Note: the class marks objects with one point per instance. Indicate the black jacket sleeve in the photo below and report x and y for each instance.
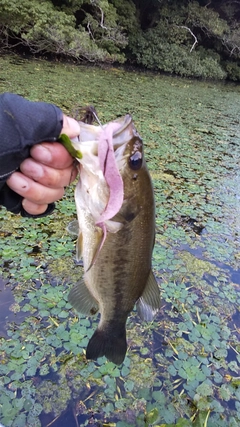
(22, 124)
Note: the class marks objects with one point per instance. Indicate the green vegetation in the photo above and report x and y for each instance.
(182, 369)
(189, 38)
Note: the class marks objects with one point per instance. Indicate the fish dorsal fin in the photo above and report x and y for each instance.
(82, 300)
(149, 303)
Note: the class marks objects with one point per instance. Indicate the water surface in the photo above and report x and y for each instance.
(183, 368)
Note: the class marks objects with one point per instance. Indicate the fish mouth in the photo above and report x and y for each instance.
(91, 133)
(125, 132)
(87, 142)
(127, 120)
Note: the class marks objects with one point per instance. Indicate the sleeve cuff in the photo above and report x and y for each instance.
(48, 211)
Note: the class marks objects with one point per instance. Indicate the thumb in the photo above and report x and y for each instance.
(70, 127)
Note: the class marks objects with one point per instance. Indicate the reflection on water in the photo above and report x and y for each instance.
(6, 314)
(66, 419)
(235, 277)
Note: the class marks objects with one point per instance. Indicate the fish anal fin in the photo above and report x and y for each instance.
(149, 303)
(82, 300)
(112, 345)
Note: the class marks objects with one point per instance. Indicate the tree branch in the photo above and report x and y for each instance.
(90, 31)
(102, 14)
(190, 31)
(102, 18)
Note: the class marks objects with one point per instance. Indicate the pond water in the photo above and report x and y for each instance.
(183, 368)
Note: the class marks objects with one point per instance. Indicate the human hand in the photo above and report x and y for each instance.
(43, 176)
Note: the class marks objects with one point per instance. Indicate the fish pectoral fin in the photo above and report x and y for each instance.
(82, 300)
(149, 303)
(73, 227)
(79, 247)
(113, 226)
(99, 241)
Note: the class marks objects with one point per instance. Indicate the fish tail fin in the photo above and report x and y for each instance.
(108, 342)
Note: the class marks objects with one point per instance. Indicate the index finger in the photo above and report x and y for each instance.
(52, 154)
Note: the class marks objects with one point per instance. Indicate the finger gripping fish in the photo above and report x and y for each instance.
(116, 216)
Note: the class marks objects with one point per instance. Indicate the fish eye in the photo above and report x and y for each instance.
(135, 161)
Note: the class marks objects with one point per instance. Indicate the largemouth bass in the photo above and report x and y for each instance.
(116, 216)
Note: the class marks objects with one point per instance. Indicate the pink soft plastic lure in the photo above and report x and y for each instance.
(112, 176)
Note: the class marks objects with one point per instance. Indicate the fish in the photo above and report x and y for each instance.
(116, 216)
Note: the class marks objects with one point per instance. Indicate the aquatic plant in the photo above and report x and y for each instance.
(183, 368)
